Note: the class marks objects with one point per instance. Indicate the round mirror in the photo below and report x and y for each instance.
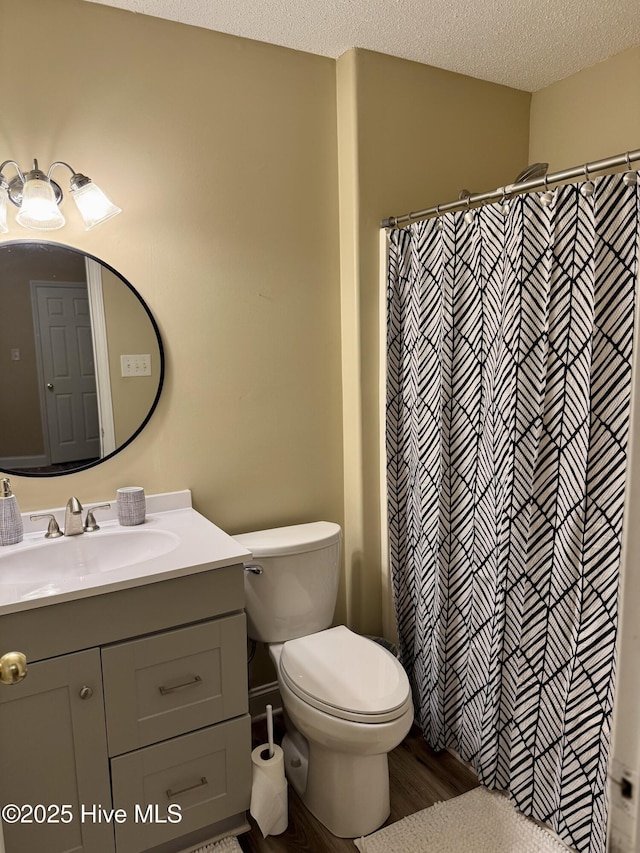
(81, 360)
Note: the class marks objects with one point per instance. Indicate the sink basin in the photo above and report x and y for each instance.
(174, 541)
(58, 560)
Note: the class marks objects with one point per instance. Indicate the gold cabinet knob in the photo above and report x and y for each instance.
(13, 667)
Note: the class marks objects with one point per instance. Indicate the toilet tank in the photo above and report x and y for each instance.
(291, 584)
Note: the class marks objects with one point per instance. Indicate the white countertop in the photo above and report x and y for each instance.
(197, 546)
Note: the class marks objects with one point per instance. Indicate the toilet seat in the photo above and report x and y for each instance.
(346, 676)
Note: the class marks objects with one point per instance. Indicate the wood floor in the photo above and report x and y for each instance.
(419, 777)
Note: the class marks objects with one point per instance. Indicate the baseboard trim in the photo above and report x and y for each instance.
(20, 462)
(260, 697)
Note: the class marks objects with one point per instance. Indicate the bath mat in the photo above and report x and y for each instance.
(480, 821)
(225, 845)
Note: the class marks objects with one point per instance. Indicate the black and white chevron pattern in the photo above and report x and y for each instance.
(509, 368)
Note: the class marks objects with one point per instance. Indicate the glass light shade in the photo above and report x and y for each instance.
(93, 205)
(4, 198)
(39, 209)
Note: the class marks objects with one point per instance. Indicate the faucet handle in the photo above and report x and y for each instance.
(53, 530)
(90, 525)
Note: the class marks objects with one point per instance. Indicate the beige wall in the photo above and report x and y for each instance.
(222, 154)
(589, 116)
(410, 136)
(129, 332)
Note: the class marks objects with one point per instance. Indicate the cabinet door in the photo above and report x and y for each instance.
(54, 752)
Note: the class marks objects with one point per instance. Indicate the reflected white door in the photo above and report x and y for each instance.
(66, 369)
(101, 357)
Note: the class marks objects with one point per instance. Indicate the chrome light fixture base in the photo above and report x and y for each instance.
(16, 185)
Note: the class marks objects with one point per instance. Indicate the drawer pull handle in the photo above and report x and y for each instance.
(171, 794)
(192, 683)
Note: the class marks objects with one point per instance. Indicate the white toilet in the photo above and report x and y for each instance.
(346, 699)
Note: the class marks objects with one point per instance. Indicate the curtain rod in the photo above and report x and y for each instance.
(513, 189)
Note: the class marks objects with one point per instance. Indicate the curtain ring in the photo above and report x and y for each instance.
(468, 217)
(630, 178)
(439, 223)
(547, 196)
(586, 190)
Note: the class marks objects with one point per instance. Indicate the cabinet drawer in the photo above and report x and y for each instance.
(165, 685)
(207, 773)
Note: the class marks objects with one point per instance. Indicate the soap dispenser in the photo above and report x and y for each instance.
(11, 529)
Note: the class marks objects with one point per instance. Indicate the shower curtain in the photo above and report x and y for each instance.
(509, 343)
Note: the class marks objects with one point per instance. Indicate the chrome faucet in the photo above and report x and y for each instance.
(73, 518)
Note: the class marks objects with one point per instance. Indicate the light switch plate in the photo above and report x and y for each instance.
(135, 365)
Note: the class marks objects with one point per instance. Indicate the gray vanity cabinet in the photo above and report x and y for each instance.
(54, 752)
(134, 700)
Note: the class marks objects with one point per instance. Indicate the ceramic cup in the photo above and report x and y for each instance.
(132, 506)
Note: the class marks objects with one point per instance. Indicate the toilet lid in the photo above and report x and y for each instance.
(346, 675)
(296, 539)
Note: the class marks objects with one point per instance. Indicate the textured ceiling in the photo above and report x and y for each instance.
(526, 44)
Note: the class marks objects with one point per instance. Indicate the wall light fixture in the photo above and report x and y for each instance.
(38, 197)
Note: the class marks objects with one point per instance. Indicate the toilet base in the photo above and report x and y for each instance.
(348, 793)
(296, 759)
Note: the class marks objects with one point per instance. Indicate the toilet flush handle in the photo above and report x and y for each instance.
(254, 568)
